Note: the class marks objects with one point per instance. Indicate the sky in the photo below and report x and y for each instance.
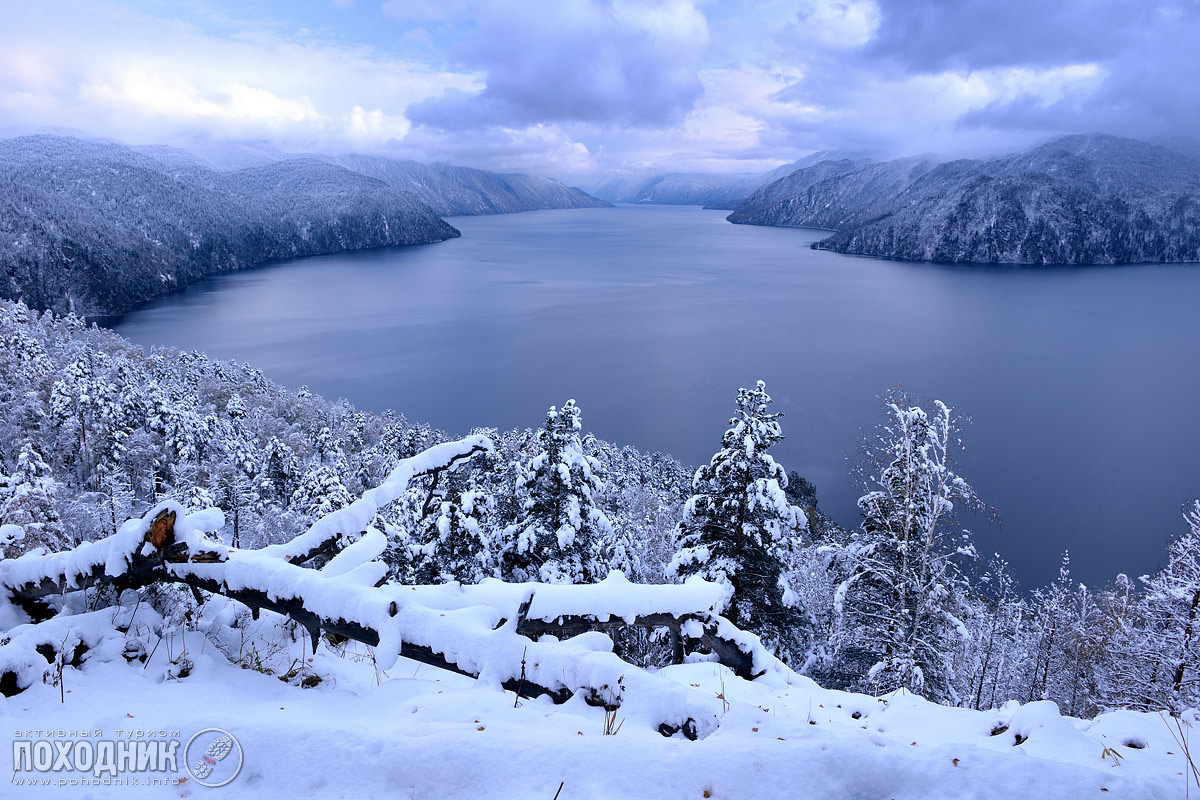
(581, 89)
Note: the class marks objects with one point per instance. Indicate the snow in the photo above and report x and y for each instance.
(614, 597)
(95, 630)
(380, 725)
(417, 732)
(10, 534)
(357, 556)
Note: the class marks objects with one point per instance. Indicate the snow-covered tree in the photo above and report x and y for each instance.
(280, 472)
(448, 544)
(1173, 605)
(1130, 674)
(992, 659)
(900, 611)
(560, 532)
(739, 529)
(320, 492)
(1050, 618)
(27, 500)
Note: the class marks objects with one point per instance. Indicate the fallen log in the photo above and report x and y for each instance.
(700, 629)
(690, 612)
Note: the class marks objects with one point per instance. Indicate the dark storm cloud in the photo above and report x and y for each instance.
(1148, 54)
(577, 61)
(936, 35)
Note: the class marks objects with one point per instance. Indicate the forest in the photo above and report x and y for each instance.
(95, 227)
(95, 431)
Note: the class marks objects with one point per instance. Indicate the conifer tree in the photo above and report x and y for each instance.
(739, 529)
(319, 492)
(561, 530)
(448, 544)
(27, 500)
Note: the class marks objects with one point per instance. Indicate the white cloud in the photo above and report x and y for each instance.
(142, 79)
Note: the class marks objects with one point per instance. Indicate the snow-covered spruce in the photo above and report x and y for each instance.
(740, 530)
(559, 536)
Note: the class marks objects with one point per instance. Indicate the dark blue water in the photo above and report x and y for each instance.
(1084, 383)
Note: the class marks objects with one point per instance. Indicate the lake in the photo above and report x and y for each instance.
(1083, 383)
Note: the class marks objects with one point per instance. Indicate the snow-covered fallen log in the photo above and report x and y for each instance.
(690, 610)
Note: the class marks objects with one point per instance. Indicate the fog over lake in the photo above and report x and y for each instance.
(1082, 382)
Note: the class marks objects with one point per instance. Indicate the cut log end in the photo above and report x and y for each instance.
(162, 530)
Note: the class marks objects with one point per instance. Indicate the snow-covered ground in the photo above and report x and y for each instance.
(419, 732)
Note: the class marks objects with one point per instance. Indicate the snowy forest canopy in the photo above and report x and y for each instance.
(94, 430)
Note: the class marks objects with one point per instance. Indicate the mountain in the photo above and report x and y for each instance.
(223, 155)
(462, 191)
(1091, 199)
(96, 227)
(830, 194)
(679, 189)
(711, 190)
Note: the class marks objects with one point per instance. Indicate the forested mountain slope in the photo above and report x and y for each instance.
(831, 194)
(462, 191)
(449, 190)
(96, 227)
(1077, 200)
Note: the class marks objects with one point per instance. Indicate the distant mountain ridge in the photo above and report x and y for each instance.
(679, 189)
(463, 191)
(447, 189)
(711, 190)
(1086, 199)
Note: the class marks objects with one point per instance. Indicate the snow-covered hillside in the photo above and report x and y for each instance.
(97, 227)
(120, 654)
(418, 732)
(462, 191)
(1077, 200)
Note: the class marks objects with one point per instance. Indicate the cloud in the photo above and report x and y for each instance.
(966, 35)
(1142, 56)
(428, 10)
(586, 86)
(541, 149)
(140, 78)
(612, 62)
